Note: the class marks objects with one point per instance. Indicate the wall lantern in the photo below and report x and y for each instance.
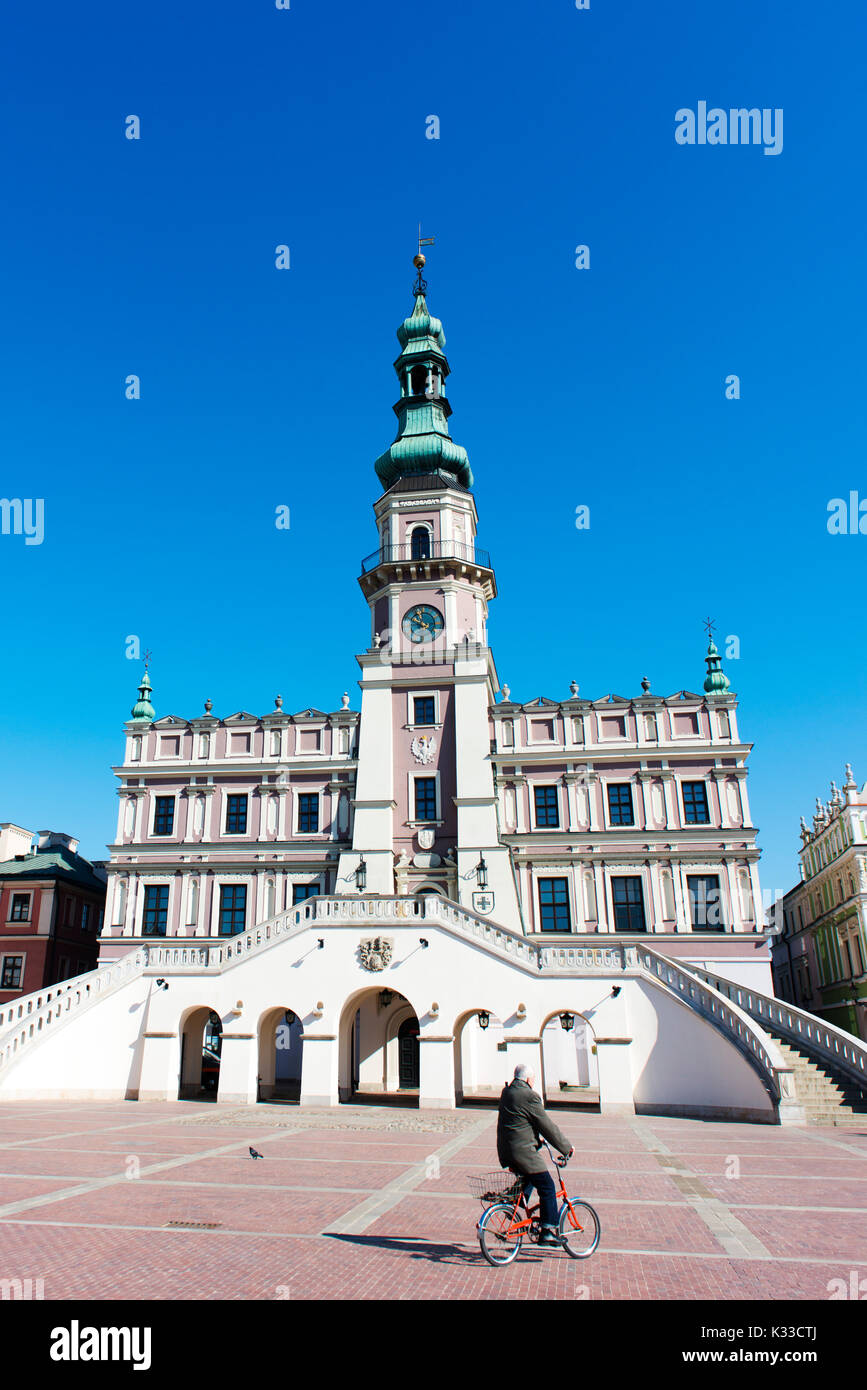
(289, 1018)
(615, 990)
(361, 876)
(484, 1018)
(482, 873)
(567, 1022)
(385, 998)
(423, 943)
(161, 984)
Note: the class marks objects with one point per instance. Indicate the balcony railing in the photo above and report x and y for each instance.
(436, 550)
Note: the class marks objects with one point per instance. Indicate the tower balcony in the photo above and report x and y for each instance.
(436, 559)
(434, 550)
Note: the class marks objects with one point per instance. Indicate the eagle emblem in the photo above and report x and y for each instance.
(375, 952)
(423, 748)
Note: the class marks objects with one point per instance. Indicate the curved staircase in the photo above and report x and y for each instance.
(829, 1065)
(827, 1096)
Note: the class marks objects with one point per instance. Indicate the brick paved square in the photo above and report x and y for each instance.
(373, 1203)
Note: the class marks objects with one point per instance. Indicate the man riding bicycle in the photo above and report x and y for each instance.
(521, 1121)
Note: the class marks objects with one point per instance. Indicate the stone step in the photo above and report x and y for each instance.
(828, 1097)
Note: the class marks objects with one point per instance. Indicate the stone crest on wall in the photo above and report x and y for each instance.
(423, 748)
(375, 952)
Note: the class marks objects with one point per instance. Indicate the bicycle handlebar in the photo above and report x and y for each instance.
(560, 1159)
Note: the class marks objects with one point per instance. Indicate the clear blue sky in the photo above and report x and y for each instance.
(261, 387)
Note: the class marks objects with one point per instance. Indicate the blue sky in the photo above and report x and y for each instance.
(263, 387)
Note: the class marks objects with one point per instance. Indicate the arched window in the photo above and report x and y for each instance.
(420, 542)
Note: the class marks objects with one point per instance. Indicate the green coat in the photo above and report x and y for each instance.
(522, 1121)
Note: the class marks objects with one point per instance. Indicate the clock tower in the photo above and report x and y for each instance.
(425, 806)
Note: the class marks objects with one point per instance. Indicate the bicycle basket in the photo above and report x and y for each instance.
(495, 1187)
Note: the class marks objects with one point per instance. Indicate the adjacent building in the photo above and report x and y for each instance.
(820, 950)
(52, 903)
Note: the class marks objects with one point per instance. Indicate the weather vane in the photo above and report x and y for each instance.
(710, 627)
(148, 656)
(419, 260)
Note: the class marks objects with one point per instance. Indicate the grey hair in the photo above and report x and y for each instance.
(521, 1072)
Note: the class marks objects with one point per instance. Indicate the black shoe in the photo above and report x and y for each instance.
(549, 1236)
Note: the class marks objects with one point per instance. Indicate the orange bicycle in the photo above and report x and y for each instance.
(502, 1226)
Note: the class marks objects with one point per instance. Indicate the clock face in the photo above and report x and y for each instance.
(423, 623)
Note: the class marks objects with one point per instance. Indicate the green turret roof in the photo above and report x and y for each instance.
(423, 443)
(143, 711)
(716, 681)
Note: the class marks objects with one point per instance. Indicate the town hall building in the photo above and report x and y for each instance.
(409, 897)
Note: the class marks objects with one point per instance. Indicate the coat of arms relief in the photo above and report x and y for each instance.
(375, 952)
(423, 748)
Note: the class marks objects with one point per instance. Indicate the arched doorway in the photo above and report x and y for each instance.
(420, 543)
(480, 1065)
(407, 1055)
(201, 1047)
(281, 1050)
(379, 1047)
(569, 1069)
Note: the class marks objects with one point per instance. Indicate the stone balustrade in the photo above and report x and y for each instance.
(841, 1050)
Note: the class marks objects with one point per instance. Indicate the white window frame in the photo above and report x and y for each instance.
(13, 955)
(224, 814)
(679, 781)
(163, 796)
(410, 805)
(307, 834)
(538, 872)
(21, 893)
(412, 695)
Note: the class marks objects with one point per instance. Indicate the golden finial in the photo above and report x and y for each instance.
(419, 260)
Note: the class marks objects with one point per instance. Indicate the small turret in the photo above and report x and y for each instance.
(716, 680)
(143, 711)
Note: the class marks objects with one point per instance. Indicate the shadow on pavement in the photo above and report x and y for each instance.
(419, 1249)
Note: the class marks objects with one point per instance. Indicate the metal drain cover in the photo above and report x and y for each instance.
(196, 1225)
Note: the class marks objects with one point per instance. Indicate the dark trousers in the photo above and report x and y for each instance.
(544, 1184)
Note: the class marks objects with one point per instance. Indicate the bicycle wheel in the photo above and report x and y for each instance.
(579, 1229)
(498, 1246)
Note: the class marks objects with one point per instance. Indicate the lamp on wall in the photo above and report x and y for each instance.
(361, 876)
(161, 984)
(484, 1018)
(289, 1018)
(385, 998)
(567, 1022)
(482, 872)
